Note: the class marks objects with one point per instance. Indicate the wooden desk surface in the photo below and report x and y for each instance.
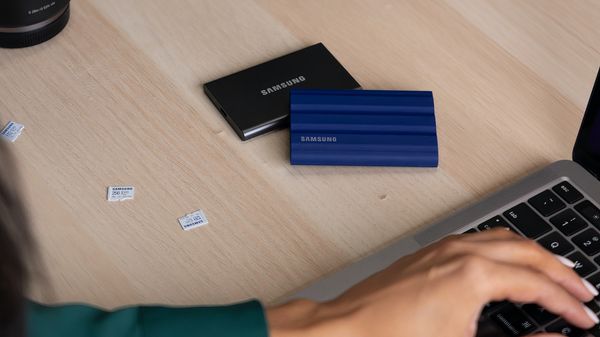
(116, 99)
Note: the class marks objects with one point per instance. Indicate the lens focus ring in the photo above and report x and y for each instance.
(35, 36)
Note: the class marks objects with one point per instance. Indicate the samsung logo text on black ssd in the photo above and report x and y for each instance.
(283, 85)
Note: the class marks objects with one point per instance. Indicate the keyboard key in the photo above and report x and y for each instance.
(583, 266)
(539, 314)
(565, 328)
(512, 320)
(527, 221)
(494, 222)
(547, 203)
(567, 192)
(597, 260)
(568, 222)
(588, 241)
(593, 306)
(595, 331)
(590, 212)
(472, 230)
(595, 280)
(556, 243)
(491, 307)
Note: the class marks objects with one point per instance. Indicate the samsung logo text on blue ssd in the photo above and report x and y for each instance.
(317, 139)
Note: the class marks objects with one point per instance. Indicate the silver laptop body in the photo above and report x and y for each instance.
(521, 196)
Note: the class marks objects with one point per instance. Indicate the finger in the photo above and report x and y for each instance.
(496, 233)
(527, 253)
(500, 281)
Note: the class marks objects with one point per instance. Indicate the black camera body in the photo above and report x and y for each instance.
(25, 23)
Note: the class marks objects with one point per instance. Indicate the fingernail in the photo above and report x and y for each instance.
(591, 314)
(565, 261)
(590, 287)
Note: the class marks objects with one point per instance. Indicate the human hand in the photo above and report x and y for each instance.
(440, 291)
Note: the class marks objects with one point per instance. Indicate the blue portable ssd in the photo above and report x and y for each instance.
(362, 128)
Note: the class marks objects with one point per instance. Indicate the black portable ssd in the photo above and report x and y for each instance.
(256, 100)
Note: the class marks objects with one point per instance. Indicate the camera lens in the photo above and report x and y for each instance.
(25, 23)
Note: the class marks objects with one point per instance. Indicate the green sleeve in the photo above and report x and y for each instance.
(243, 320)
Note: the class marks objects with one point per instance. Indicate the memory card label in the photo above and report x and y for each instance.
(120, 193)
(12, 131)
(193, 220)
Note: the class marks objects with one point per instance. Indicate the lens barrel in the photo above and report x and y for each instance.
(32, 34)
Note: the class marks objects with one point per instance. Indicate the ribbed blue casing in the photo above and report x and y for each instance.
(362, 127)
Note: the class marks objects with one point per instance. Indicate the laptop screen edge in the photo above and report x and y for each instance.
(586, 151)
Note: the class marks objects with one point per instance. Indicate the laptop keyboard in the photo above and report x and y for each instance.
(563, 222)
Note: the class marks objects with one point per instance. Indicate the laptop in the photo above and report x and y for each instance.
(558, 206)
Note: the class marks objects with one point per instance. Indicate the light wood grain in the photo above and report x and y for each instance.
(116, 99)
